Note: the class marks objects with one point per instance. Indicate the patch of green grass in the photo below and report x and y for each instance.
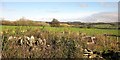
(90, 31)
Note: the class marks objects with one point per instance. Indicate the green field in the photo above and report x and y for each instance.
(90, 31)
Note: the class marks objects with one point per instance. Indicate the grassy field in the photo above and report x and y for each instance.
(90, 31)
(55, 42)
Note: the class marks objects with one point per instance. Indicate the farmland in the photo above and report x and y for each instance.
(91, 31)
(56, 42)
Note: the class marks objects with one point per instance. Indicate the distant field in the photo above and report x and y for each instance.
(90, 31)
(105, 26)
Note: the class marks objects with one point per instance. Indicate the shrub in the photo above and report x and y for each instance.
(55, 23)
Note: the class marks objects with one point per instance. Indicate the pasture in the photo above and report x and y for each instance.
(55, 42)
(91, 31)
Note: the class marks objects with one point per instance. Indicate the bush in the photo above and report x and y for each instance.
(55, 23)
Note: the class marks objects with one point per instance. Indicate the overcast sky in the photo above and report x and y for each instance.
(63, 11)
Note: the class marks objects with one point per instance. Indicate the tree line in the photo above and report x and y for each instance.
(57, 23)
(23, 22)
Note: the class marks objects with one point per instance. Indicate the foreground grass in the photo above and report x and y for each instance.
(56, 44)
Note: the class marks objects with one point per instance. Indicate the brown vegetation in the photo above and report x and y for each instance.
(39, 43)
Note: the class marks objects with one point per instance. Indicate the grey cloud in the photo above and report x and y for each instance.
(83, 5)
(102, 17)
(109, 4)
